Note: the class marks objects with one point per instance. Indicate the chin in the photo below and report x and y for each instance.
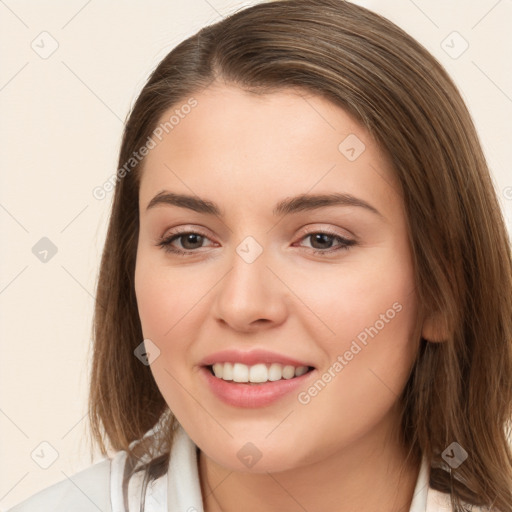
(246, 457)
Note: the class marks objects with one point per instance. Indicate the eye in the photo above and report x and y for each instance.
(322, 242)
(189, 240)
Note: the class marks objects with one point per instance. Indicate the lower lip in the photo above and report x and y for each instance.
(241, 394)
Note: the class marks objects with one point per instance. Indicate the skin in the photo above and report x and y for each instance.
(340, 451)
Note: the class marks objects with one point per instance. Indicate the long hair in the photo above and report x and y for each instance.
(460, 389)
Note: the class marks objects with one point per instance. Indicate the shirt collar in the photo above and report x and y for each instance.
(419, 498)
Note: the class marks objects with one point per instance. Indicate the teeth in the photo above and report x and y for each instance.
(257, 373)
(218, 370)
(301, 370)
(227, 371)
(240, 372)
(288, 372)
(275, 372)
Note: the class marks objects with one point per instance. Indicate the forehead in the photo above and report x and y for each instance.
(259, 144)
(282, 119)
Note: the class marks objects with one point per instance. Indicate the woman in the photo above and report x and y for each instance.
(305, 293)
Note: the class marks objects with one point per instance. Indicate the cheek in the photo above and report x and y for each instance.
(171, 306)
(352, 298)
(153, 301)
(165, 308)
(164, 297)
(370, 308)
(371, 353)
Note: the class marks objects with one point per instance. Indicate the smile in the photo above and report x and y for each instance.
(257, 385)
(257, 373)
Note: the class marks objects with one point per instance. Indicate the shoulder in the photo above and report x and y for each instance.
(85, 491)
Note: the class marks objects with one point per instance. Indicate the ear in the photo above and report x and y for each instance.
(434, 328)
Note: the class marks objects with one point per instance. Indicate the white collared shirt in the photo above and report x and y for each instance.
(99, 487)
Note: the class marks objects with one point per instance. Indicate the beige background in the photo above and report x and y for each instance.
(61, 123)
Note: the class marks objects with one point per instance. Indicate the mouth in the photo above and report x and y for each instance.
(255, 378)
(257, 374)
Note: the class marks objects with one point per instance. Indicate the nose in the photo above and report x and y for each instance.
(250, 297)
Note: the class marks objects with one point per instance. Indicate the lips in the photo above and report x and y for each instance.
(255, 378)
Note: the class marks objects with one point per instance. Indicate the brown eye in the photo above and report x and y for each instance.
(189, 242)
(325, 243)
(324, 240)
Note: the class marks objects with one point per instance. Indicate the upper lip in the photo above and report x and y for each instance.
(250, 358)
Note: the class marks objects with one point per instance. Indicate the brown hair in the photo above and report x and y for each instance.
(459, 389)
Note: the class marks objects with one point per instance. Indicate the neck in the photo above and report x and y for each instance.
(370, 474)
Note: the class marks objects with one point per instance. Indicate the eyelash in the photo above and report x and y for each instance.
(165, 243)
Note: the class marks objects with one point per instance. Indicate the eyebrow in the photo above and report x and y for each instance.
(302, 202)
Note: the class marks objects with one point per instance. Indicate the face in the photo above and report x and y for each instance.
(290, 255)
